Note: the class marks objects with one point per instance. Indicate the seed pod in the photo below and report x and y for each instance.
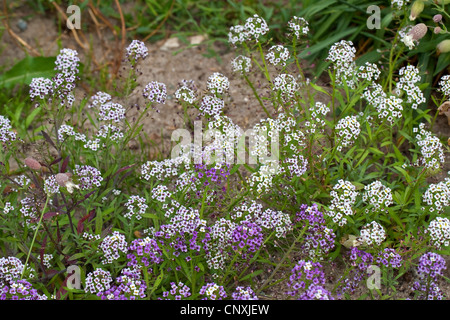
(437, 18)
(32, 163)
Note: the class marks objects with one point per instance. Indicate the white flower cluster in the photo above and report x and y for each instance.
(111, 111)
(431, 149)
(161, 193)
(136, 50)
(29, 212)
(347, 131)
(444, 85)
(254, 27)
(373, 234)
(286, 85)
(388, 108)
(90, 236)
(69, 131)
(163, 169)
(155, 92)
(409, 76)
(136, 207)
(439, 231)
(112, 246)
(99, 99)
(110, 131)
(298, 26)
(41, 87)
(220, 233)
(342, 56)
(88, 176)
(296, 165)
(318, 113)
(211, 105)
(46, 260)
(278, 55)
(399, 4)
(343, 198)
(7, 208)
(378, 195)
(241, 64)
(263, 178)
(218, 84)
(183, 220)
(369, 71)
(6, 133)
(185, 94)
(50, 185)
(97, 281)
(226, 136)
(437, 196)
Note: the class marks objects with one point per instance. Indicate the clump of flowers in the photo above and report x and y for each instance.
(343, 198)
(347, 131)
(318, 113)
(303, 275)
(378, 196)
(128, 286)
(177, 292)
(437, 196)
(218, 84)
(342, 56)
(98, 281)
(439, 232)
(431, 149)
(278, 55)
(255, 27)
(185, 94)
(136, 207)
(318, 238)
(19, 290)
(113, 246)
(155, 92)
(211, 105)
(241, 64)
(286, 85)
(246, 239)
(244, 293)
(373, 234)
(407, 84)
(369, 72)
(444, 85)
(431, 266)
(144, 253)
(111, 111)
(88, 176)
(298, 26)
(359, 262)
(389, 258)
(41, 88)
(316, 292)
(135, 51)
(6, 133)
(212, 291)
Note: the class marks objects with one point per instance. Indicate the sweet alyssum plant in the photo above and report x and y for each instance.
(344, 178)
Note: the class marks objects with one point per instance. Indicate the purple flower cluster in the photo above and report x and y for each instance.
(177, 292)
(144, 252)
(41, 87)
(389, 258)
(246, 239)
(318, 238)
(303, 275)
(128, 286)
(431, 266)
(316, 292)
(212, 291)
(241, 293)
(360, 262)
(19, 290)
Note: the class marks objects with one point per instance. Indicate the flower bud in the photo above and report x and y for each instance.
(437, 18)
(444, 46)
(437, 30)
(418, 31)
(416, 9)
(32, 163)
(61, 179)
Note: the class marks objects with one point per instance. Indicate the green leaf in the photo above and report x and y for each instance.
(27, 69)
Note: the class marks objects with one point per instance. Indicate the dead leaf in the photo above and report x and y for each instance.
(445, 109)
